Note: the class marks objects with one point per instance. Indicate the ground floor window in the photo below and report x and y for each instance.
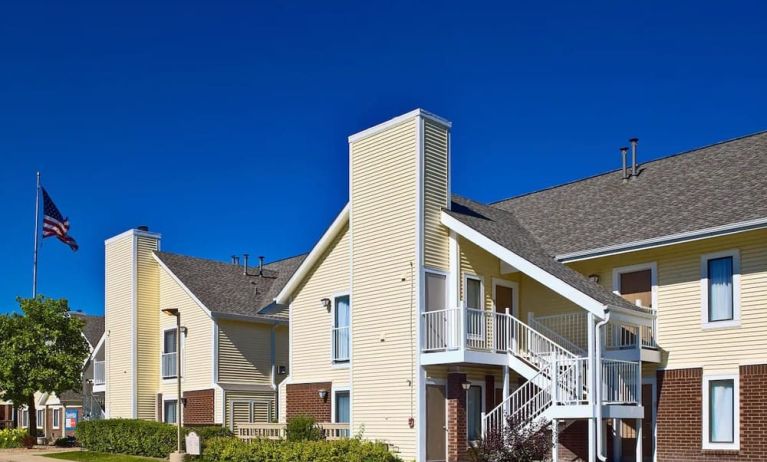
(169, 414)
(720, 412)
(40, 418)
(56, 418)
(342, 413)
(25, 418)
(474, 412)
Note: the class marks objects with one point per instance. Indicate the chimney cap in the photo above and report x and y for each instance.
(633, 140)
(624, 149)
(142, 228)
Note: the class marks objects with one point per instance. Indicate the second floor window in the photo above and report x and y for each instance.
(340, 337)
(169, 354)
(720, 278)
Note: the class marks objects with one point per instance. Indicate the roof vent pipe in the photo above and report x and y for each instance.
(235, 260)
(261, 266)
(634, 142)
(624, 152)
(245, 264)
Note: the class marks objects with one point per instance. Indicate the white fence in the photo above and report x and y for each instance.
(277, 431)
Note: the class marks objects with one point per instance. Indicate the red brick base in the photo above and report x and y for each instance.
(199, 407)
(456, 418)
(680, 411)
(303, 399)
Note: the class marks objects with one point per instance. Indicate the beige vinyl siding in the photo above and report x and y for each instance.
(118, 323)
(383, 226)
(310, 327)
(282, 352)
(249, 406)
(147, 341)
(477, 262)
(244, 352)
(197, 352)
(680, 334)
(435, 182)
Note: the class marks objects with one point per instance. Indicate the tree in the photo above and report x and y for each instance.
(42, 349)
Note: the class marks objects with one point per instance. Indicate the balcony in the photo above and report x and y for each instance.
(99, 374)
(169, 361)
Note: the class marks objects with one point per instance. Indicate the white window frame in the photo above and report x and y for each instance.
(183, 356)
(40, 422)
(340, 364)
(25, 418)
(735, 445)
(334, 390)
(735, 321)
(466, 277)
(178, 410)
(652, 266)
(56, 419)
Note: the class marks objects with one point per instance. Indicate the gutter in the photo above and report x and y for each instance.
(263, 319)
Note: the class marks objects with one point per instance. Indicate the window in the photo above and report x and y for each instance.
(342, 404)
(56, 418)
(40, 418)
(721, 413)
(474, 412)
(436, 292)
(475, 320)
(169, 356)
(341, 329)
(720, 289)
(25, 418)
(169, 411)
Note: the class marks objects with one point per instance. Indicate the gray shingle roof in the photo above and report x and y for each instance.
(93, 328)
(707, 187)
(504, 229)
(223, 288)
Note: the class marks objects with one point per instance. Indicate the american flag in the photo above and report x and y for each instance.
(54, 224)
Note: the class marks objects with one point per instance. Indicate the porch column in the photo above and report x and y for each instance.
(506, 388)
(554, 440)
(617, 441)
(454, 282)
(591, 378)
(638, 423)
(457, 443)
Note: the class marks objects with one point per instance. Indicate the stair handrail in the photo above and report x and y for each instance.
(559, 338)
(541, 358)
(519, 402)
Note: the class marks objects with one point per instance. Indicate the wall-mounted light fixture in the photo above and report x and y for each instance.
(323, 394)
(466, 385)
(594, 278)
(326, 303)
(282, 370)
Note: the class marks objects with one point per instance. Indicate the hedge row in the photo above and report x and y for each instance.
(136, 437)
(347, 450)
(12, 437)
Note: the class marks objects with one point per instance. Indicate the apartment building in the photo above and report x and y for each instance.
(234, 350)
(626, 311)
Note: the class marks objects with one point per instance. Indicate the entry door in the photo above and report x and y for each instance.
(504, 298)
(436, 424)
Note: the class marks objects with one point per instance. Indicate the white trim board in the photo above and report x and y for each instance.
(557, 285)
(398, 120)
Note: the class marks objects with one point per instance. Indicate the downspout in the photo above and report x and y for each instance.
(598, 385)
(273, 355)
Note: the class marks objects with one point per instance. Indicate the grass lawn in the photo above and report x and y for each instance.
(87, 456)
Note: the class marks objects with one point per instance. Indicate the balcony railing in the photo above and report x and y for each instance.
(340, 344)
(99, 373)
(169, 365)
(620, 381)
(571, 331)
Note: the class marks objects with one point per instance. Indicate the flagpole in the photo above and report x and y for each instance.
(37, 234)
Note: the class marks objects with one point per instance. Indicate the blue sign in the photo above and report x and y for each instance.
(70, 418)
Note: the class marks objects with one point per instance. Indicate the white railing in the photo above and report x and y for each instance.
(534, 347)
(570, 330)
(620, 381)
(340, 344)
(99, 373)
(277, 431)
(441, 330)
(569, 380)
(169, 365)
(522, 406)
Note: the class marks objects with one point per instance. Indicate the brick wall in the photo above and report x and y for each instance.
(456, 418)
(199, 407)
(680, 410)
(304, 399)
(574, 442)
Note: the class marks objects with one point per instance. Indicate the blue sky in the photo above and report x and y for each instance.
(223, 125)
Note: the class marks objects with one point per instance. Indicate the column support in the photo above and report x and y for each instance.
(591, 386)
(506, 388)
(639, 439)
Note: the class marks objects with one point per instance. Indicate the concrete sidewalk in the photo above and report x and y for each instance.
(31, 455)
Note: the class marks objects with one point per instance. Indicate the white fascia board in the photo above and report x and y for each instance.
(662, 241)
(313, 257)
(132, 232)
(547, 279)
(261, 319)
(639, 318)
(183, 287)
(398, 120)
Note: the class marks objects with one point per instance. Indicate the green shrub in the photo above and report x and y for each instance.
(302, 428)
(138, 437)
(348, 450)
(12, 438)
